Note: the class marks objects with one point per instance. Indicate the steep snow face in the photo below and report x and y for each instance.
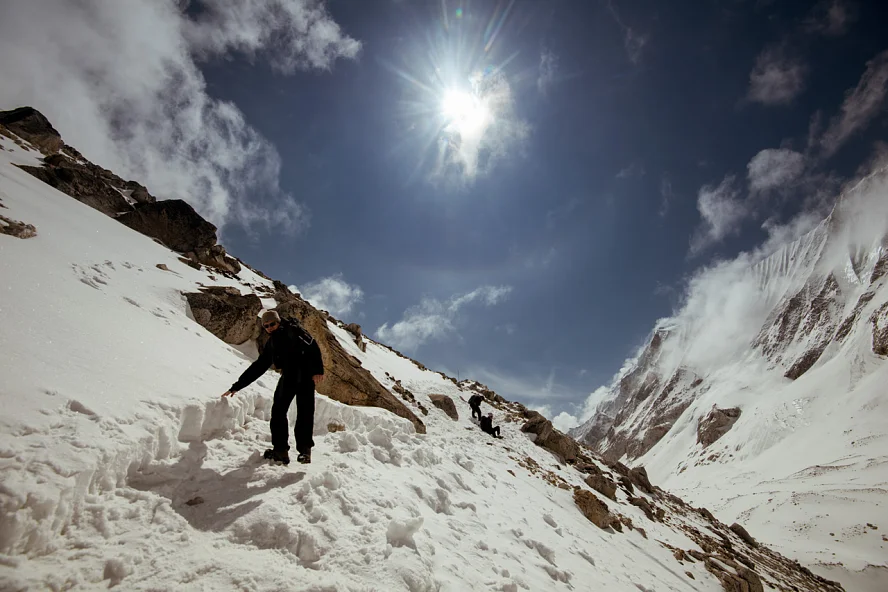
(796, 343)
(121, 464)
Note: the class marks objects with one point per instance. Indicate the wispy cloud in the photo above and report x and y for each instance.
(777, 77)
(436, 319)
(548, 69)
(861, 106)
(721, 210)
(774, 169)
(831, 18)
(666, 195)
(121, 82)
(561, 212)
(633, 41)
(332, 294)
(633, 170)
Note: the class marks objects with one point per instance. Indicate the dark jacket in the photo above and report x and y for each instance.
(486, 424)
(475, 400)
(292, 350)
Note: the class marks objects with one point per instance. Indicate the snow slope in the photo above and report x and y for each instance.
(805, 467)
(121, 464)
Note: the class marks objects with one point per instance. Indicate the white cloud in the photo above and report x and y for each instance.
(633, 170)
(564, 421)
(632, 40)
(861, 105)
(721, 210)
(120, 81)
(548, 68)
(436, 319)
(776, 78)
(332, 294)
(831, 18)
(774, 169)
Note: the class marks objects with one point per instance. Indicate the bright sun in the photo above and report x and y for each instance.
(465, 112)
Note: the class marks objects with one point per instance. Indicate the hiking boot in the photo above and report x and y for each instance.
(304, 458)
(280, 456)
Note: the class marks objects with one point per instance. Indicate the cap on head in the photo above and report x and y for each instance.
(269, 316)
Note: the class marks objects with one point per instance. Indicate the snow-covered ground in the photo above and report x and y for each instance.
(121, 465)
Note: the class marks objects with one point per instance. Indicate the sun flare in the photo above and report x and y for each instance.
(465, 112)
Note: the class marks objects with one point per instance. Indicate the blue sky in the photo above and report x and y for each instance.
(514, 191)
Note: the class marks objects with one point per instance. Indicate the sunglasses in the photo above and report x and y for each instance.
(271, 325)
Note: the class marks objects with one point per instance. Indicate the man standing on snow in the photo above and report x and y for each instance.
(475, 404)
(293, 351)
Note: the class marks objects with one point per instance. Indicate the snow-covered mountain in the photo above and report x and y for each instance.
(765, 397)
(121, 466)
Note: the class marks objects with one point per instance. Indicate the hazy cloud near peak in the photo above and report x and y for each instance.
(121, 83)
(332, 294)
(862, 104)
(777, 78)
(721, 210)
(548, 68)
(774, 168)
(436, 319)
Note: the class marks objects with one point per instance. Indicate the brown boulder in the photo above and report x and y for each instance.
(639, 477)
(565, 447)
(594, 509)
(346, 381)
(741, 532)
(225, 313)
(30, 125)
(445, 404)
(16, 228)
(355, 330)
(602, 485)
(716, 424)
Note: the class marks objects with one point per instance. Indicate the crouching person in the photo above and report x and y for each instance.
(488, 427)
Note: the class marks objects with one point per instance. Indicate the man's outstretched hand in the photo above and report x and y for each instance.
(229, 393)
(318, 379)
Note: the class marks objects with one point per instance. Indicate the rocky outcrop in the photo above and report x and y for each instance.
(225, 313)
(602, 485)
(346, 381)
(30, 125)
(86, 183)
(355, 330)
(879, 321)
(563, 446)
(177, 225)
(716, 424)
(445, 404)
(594, 509)
(741, 532)
(17, 229)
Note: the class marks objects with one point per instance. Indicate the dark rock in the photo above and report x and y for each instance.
(879, 320)
(716, 424)
(174, 223)
(30, 125)
(445, 404)
(741, 532)
(17, 229)
(602, 485)
(594, 509)
(551, 439)
(82, 183)
(355, 330)
(226, 314)
(639, 477)
(806, 361)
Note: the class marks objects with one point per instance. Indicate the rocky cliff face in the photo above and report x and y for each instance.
(819, 290)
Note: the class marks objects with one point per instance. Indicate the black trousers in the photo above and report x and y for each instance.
(476, 410)
(303, 391)
(494, 431)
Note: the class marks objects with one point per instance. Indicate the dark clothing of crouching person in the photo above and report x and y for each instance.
(488, 427)
(475, 404)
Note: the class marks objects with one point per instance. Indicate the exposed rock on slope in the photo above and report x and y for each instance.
(346, 381)
(30, 125)
(445, 404)
(716, 424)
(225, 313)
